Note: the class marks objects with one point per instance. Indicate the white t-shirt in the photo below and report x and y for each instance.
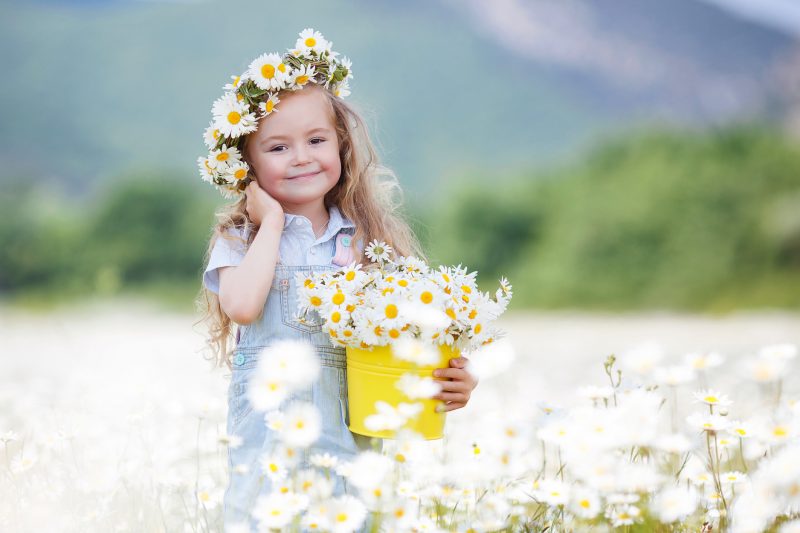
(298, 246)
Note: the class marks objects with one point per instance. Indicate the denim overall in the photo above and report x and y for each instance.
(328, 394)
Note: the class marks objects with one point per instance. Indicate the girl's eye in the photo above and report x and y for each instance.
(318, 140)
(276, 149)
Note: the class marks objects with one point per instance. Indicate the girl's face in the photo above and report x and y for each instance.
(294, 153)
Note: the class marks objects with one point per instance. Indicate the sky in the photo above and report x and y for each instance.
(780, 14)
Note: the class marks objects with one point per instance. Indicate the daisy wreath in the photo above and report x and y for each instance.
(253, 95)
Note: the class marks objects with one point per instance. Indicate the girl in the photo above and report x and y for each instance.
(312, 194)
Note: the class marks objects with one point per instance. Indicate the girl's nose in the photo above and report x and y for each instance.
(301, 155)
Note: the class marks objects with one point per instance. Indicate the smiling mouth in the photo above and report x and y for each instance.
(306, 175)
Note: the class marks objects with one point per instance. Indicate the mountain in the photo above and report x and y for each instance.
(92, 89)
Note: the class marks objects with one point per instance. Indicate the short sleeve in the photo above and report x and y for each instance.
(229, 250)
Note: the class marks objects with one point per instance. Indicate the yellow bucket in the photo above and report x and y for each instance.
(372, 375)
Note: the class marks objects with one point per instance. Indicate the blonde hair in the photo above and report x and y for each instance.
(367, 194)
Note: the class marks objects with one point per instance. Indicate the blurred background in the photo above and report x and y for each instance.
(634, 154)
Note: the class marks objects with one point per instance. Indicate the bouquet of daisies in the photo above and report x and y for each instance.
(401, 299)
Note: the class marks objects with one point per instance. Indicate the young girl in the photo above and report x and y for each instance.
(311, 193)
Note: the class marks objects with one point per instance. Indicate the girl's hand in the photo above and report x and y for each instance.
(456, 392)
(262, 208)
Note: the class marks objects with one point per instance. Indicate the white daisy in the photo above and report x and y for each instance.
(268, 72)
(309, 41)
(273, 466)
(712, 397)
(268, 105)
(346, 513)
(703, 360)
(675, 503)
(324, 460)
(232, 117)
(414, 351)
(378, 251)
(276, 510)
(211, 136)
(225, 156)
(236, 81)
(302, 425)
(708, 422)
(585, 503)
(342, 90)
(623, 515)
(416, 387)
(391, 418)
(237, 171)
(300, 76)
(206, 172)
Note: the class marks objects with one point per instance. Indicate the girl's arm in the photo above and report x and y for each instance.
(243, 289)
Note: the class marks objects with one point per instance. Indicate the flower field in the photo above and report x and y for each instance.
(111, 420)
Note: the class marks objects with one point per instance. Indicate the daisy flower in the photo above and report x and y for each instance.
(624, 515)
(301, 76)
(378, 251)
(302, 425)
(712, 397)
(273, 466)
(739, 429)
(268, 72)
(707, 422)
(391, 418)
(311, 41)
(206, 172)
(585, 503)
(226, 155)
(237, 171)
(342, 90)
(416, 387)
(416, 352)
(233, 118)
(346, 513)
(268, 106)
(703, 360)
(783, 352)
(324, 460)
(236, 81)
(211, 135)
(277, 510)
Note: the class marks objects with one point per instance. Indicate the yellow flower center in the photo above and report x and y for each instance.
(240, 173)
(391, 311)
(336, 316)
(473, 314)
(222, 156)
(466, 289)
(477, 329)
(348, 333)
(282, 68)
(779, 431)
(741, 431)
(338, 298)
(341, 517)
(350, 276)
(316, 301)
(378, 331)
(310, 42)
(268, 71)
(585, 504)
(301, 80)
(215, 134)
(234, 117)
(270, 104)
(426, 297)
(403, 283)
(393, 333)
(452, 314)
(711, 399)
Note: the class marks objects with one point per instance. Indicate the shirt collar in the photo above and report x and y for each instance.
(336, 223)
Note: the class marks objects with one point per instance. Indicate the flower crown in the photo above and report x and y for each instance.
(254, 94)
